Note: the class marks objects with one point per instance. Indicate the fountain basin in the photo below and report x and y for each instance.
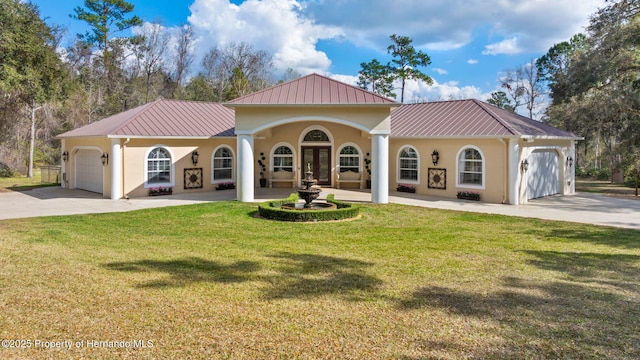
(308, 195)
(310, 206)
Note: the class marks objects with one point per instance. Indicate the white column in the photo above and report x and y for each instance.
(572, 169)
(115, 163)
(380, 168)
(63, 164)
(514, 171)
(245, 187)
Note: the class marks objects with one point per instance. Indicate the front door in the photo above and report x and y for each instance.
(319, 159)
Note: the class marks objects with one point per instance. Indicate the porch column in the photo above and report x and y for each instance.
(245, 188)
(380, 168)
(514, 171)
(115, 162)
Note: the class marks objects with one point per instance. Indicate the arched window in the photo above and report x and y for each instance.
(470, 167)
(222, 165)
(349, 159)
(159, 167)
(408, 165)
(316, 136)
(282, 159)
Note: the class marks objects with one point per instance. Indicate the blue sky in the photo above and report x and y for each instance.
(470, 42)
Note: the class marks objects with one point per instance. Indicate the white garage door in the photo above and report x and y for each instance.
(89, 170)
(543, 176)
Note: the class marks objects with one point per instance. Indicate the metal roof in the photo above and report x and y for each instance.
(312, 89)
(465, 118)
(458, 118)
(164, 118)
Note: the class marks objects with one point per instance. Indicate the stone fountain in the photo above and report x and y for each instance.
(309, 193)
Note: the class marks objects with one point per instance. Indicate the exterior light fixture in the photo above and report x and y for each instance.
(105, 159)
(570, 161)
(435, 157)
(194, 157)
(65, 156)
(525, 165)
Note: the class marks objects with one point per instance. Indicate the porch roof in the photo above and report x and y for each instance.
(315, 90)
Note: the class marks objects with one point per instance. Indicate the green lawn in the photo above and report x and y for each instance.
(213, 281)
(22, 183)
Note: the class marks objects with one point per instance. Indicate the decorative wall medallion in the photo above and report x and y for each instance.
(193, 178)
(437, 178)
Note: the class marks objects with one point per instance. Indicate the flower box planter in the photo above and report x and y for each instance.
(225, 186)
(406, 188)
(160, 191)
(469, 198)
(465, 195)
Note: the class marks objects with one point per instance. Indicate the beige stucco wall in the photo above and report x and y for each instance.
(495, 160)
(72, 145)
(249, 119)
(495, 152)
(134, 155)
(292, 134)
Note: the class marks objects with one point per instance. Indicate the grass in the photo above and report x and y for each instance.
(605, 187)
(213, 281)
(23, 183)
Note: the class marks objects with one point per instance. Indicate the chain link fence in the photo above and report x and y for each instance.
(51, 174)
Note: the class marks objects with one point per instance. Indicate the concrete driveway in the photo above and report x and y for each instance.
(583, 207)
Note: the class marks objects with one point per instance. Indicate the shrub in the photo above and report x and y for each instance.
(272, 210)
(5, 171)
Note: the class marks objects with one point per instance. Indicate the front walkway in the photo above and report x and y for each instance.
(583, 207)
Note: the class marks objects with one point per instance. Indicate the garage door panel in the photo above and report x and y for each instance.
(89, 170)
(543, 176)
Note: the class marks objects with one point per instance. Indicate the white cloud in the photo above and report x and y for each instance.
(440, 25)
(418, 91)
(472, 61)
(440, 71)
(507, 46)
(276, 26)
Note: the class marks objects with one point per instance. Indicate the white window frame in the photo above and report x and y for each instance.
(213, 168)
(172, 170)
(399, 169)
(339, 156)
(273, 155)
(483, 164)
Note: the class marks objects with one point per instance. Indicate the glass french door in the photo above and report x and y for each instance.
(319, 159)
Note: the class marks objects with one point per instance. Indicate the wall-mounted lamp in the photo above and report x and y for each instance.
(105, 159)
(194, 157)
(435, 157)
(65, 156)
(570, 161)
(525, 165)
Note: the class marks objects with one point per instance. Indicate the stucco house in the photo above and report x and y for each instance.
(347, 136)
